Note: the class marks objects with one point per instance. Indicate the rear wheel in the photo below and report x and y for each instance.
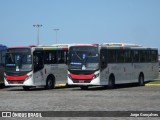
(141, 80)
(50, 83)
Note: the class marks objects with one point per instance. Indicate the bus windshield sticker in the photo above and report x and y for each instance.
(84, 56)
(74, 63)
(10, 65)
(17, 68)
(83, 67)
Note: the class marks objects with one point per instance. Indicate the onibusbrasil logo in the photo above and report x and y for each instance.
(21, 114)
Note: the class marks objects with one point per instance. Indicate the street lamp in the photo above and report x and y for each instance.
(38, 25)
(56, 30)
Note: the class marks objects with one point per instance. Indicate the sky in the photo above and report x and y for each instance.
(80, 21)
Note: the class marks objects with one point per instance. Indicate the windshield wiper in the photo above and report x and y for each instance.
(78, 56)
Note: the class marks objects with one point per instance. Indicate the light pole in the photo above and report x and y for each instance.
(38, 25)
(56, 30)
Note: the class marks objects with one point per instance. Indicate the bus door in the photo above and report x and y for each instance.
(103, 66)
(38, 63)
(62, 66)
(2, 63)
(128, 66)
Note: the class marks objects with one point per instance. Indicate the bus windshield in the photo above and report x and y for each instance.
(18, 60)
(83, 58)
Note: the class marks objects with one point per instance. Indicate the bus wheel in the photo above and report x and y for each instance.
(26, 88)
(84, 87)
(141, 80)
(111, 82)
(50, 84)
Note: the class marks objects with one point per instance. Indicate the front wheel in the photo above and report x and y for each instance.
(50, 83)
(84, 87)
(111, 82)
(26, 88)
(141, 80)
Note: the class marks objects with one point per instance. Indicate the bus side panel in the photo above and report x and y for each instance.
(62, 74)
(123, 73)
(59, 71)
(104, 75)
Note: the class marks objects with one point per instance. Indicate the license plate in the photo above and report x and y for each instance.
(15, 83)
(81, 81)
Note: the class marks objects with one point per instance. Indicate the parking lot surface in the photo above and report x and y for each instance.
(129, 97)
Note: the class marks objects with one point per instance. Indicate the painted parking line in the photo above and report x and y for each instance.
(152, 84)
(60, 85)
(63, 85)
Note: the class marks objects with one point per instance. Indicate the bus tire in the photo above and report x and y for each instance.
(50, 83)
(141, 79)
(26, 88)
(111, 82)
(84, 87)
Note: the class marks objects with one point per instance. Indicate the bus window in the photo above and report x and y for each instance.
(0, 58)
(135, 56)
(112, 57)
(50, 57)
(120, 56)
(127, 56)
(154, 56)
(142, 55)
(61, 56)
(148, 58)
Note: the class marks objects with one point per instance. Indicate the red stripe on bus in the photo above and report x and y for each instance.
(16, 77)
(81, 77)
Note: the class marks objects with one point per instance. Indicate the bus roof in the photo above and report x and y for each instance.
(120, 45)
(53, 47)
(84, 45)
(23, 46)
(124, 45)
(3, 46)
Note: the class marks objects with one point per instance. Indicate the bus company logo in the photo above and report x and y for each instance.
(6, 114)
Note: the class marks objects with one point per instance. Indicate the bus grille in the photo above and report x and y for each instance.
(15, 82)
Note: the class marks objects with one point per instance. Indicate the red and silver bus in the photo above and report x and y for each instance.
(36, 66)
(3, 50)
(110, 64)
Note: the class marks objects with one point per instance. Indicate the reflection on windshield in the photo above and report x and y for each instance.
(18, 61)
(84, 60)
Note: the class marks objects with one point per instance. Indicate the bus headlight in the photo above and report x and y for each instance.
(96, 75)
(69, 76)
(5, 76)
(28, 77)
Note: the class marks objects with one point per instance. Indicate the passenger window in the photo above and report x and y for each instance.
(50, 57)
(61, 56)
(128, 57)
(112, 56)
(135, 56)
